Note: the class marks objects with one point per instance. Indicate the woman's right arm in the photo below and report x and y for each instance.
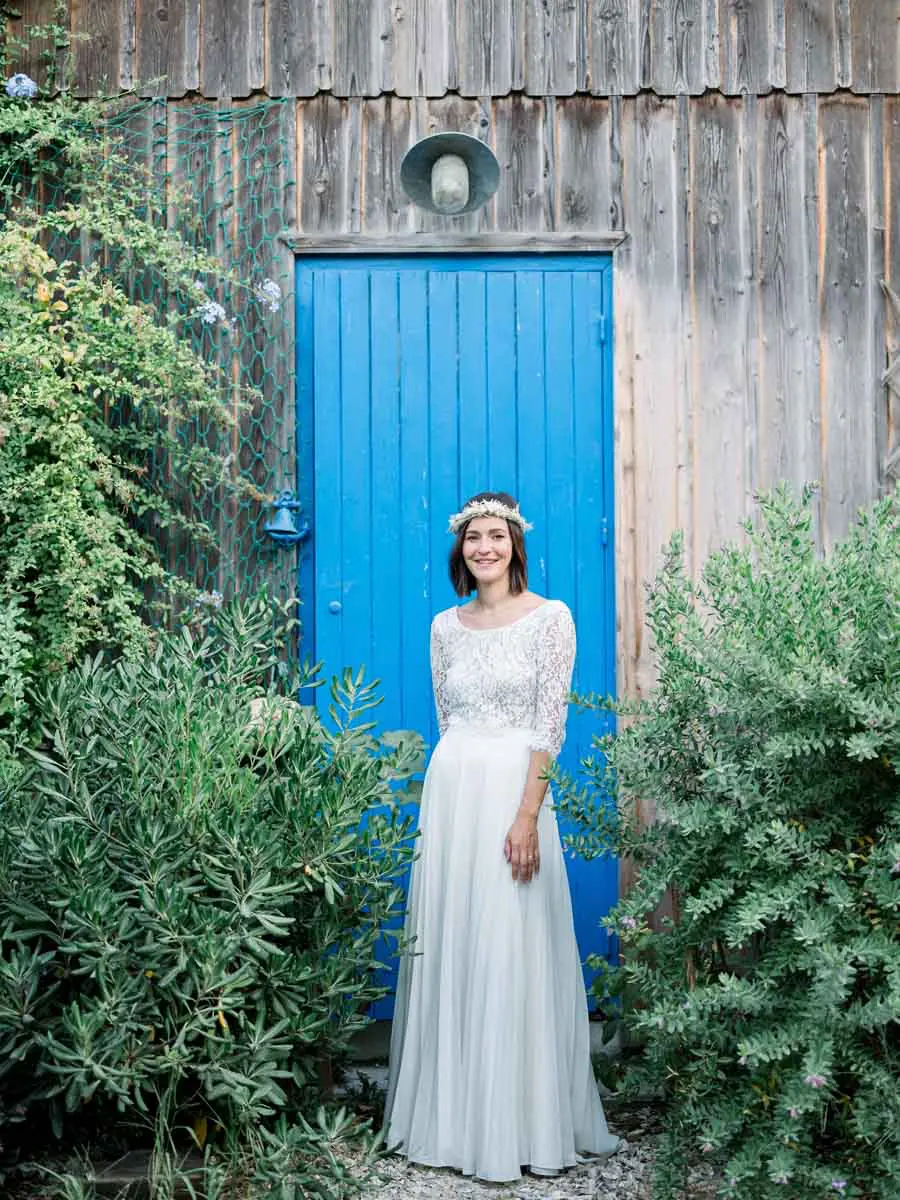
(439, 665)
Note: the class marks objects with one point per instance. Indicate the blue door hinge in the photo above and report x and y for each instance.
(602, 326)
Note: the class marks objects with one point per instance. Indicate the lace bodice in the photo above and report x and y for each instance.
(516, 676)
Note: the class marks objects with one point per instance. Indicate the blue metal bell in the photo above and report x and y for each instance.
(282, 524)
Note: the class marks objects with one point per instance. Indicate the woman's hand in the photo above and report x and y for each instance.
(522, 849)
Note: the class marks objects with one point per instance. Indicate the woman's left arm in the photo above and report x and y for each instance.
(556, 658)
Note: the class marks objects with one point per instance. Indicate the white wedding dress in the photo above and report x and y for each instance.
(490, 1050)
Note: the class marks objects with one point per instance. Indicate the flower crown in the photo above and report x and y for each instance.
(487, 508)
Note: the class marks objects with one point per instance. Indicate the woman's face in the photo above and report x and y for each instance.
(487, 548)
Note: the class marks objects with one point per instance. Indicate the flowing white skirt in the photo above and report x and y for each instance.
(490, 1047)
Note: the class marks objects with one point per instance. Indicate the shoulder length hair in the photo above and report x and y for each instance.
(462, 578)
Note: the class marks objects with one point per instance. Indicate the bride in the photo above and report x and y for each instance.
(490, 1067)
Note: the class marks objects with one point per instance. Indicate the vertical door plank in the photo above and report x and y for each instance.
(329, 482)
(414, 501)
(560, 514)
(386, 515)
(475, 443)
(499, 379)
(355, 496)
(845, 297)
(485, 46)
(531, 418)
(450, 370)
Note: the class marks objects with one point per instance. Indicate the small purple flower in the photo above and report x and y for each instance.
(895, 869)
(21, 87)
(629, 923)
(269, 293)
(212, 599)
(794, 1112)
(815, 1081)
(839, 1184)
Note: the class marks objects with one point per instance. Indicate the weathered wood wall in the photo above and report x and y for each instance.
(233, 48)
(752, 332)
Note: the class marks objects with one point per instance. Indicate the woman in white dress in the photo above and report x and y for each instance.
(490, 1066)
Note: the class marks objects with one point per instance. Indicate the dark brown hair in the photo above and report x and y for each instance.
(462, 578)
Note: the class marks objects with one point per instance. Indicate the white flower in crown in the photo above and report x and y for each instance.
(487, 508)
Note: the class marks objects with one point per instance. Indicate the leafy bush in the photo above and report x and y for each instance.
(768, 1003)
(96, 388)
(193, 873)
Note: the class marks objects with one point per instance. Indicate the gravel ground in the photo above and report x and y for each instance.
(624, 1176)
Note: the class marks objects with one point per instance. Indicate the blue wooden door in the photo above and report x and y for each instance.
(422, 381)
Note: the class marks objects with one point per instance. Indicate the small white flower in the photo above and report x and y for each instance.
(21, 87)
(210, 311)
(269, 293)
(212, 599)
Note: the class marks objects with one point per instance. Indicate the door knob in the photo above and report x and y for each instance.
(335, 606)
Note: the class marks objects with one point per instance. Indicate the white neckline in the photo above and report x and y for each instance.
(497, 628)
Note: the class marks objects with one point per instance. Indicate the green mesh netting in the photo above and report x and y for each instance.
(224, 174)
(232, 167)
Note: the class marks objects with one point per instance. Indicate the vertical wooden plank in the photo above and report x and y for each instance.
(551, 58)
(843, 43)
(363, 48)
(385, 500)
(613, 48)
(847, 371)
(875, 46)
(811, 45)
(518, 121)
(653, 463)
(476, 448)
(717, 273)
(582, 173)
(449, 361)
(531, 418)
(329, 483)
(355, 496)
(485, 42)
(127, 43)
(673, 46)
(384, 206)
(745, 46)
(415, 466)
(230, 45)
(38, 58)
(424, 52)
(295, 61)
(875, 274)
(560, 515)
(324, 196)
(788, 311)
(95, 48)
(497, 375)
(168, 47)
(890, 458)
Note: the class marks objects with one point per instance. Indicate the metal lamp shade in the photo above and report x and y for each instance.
(484, 170)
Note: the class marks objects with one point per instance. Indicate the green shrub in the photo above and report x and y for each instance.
(193, 874)
(769, 1004)
(96, 390)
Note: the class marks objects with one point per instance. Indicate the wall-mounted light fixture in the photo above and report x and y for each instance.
(450, 173)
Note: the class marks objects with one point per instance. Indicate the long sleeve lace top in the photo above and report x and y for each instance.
(517, 676)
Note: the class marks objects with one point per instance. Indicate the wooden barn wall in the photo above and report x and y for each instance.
(234, 48)
(751, 331)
